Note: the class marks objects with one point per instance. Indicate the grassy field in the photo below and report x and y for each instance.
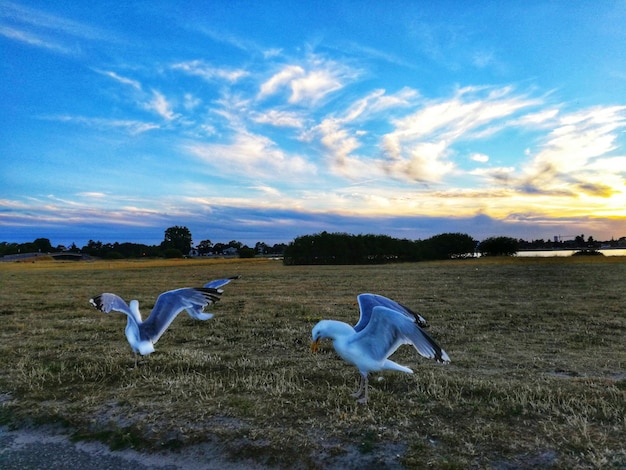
(537, 378)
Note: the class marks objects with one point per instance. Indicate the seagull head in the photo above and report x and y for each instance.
(329, 329)
(318, 333)
(145, 348)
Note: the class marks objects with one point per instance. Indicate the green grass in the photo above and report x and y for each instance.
(537, 378)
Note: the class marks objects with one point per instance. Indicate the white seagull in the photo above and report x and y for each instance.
(383, 327)
(142, 335)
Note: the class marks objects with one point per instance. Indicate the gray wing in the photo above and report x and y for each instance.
(217, 283)
(388, 329)
(107, 302)
(171, 303)
(367, 302)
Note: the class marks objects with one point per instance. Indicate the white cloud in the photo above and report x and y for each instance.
(314, 86)
(282, 78)
(207, 72)
(267, 190)
(378, 101)
(37, 19)
(534, 119)
(43, 30)
(338, 141)
(479, 157)
(424, 161)
(234, 109)
(33, 39)
(456, 117)
(359, 169)
(253, 156)
(160, 105)
(93, 194)
(308, 83)
(418, 146)
(124, 80)
(500, 175)
(574, 162)
(578, 139)
(340, 136)
(131, 126)
(279, 118)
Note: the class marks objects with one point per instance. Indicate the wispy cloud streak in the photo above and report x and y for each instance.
(40, 29)
(207, 72)
(130, 126)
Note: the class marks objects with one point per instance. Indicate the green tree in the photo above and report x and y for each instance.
(449, 245)
(235, 244)
(343, 248)
(205, 247)
(7, 248)
(178, 238)
(246, 252)
(43, 245)
(261, 248)
(498, 246)
(93, 248)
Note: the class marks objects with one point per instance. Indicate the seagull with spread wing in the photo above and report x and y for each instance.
(142, 335)
(383, 327)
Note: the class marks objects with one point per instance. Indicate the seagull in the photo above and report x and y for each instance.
(142, 335)
(383, 327)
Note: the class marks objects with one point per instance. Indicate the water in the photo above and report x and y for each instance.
(548, 253)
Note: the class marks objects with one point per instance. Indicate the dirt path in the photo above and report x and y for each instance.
(51, 449)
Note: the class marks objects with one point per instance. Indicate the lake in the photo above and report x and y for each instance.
(548, 253)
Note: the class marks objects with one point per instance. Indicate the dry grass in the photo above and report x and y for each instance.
(537, 378)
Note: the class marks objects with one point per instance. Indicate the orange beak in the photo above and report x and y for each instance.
(314, 345)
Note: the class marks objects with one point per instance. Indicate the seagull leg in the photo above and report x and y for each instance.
(135, 354)
(359, 391)
(141, 359)
(365, 385)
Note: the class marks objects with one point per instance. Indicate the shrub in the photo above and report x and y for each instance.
(588, 253)
(172, 253)
(246, 252)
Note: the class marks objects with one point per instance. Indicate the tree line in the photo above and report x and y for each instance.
(320, 248)
(344, 248)
(177, 243)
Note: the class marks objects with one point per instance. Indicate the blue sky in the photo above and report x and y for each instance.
(263, 121)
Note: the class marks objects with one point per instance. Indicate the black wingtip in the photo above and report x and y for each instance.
(439, 354)
(442, 357)
(211, 294)
(420, 320)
